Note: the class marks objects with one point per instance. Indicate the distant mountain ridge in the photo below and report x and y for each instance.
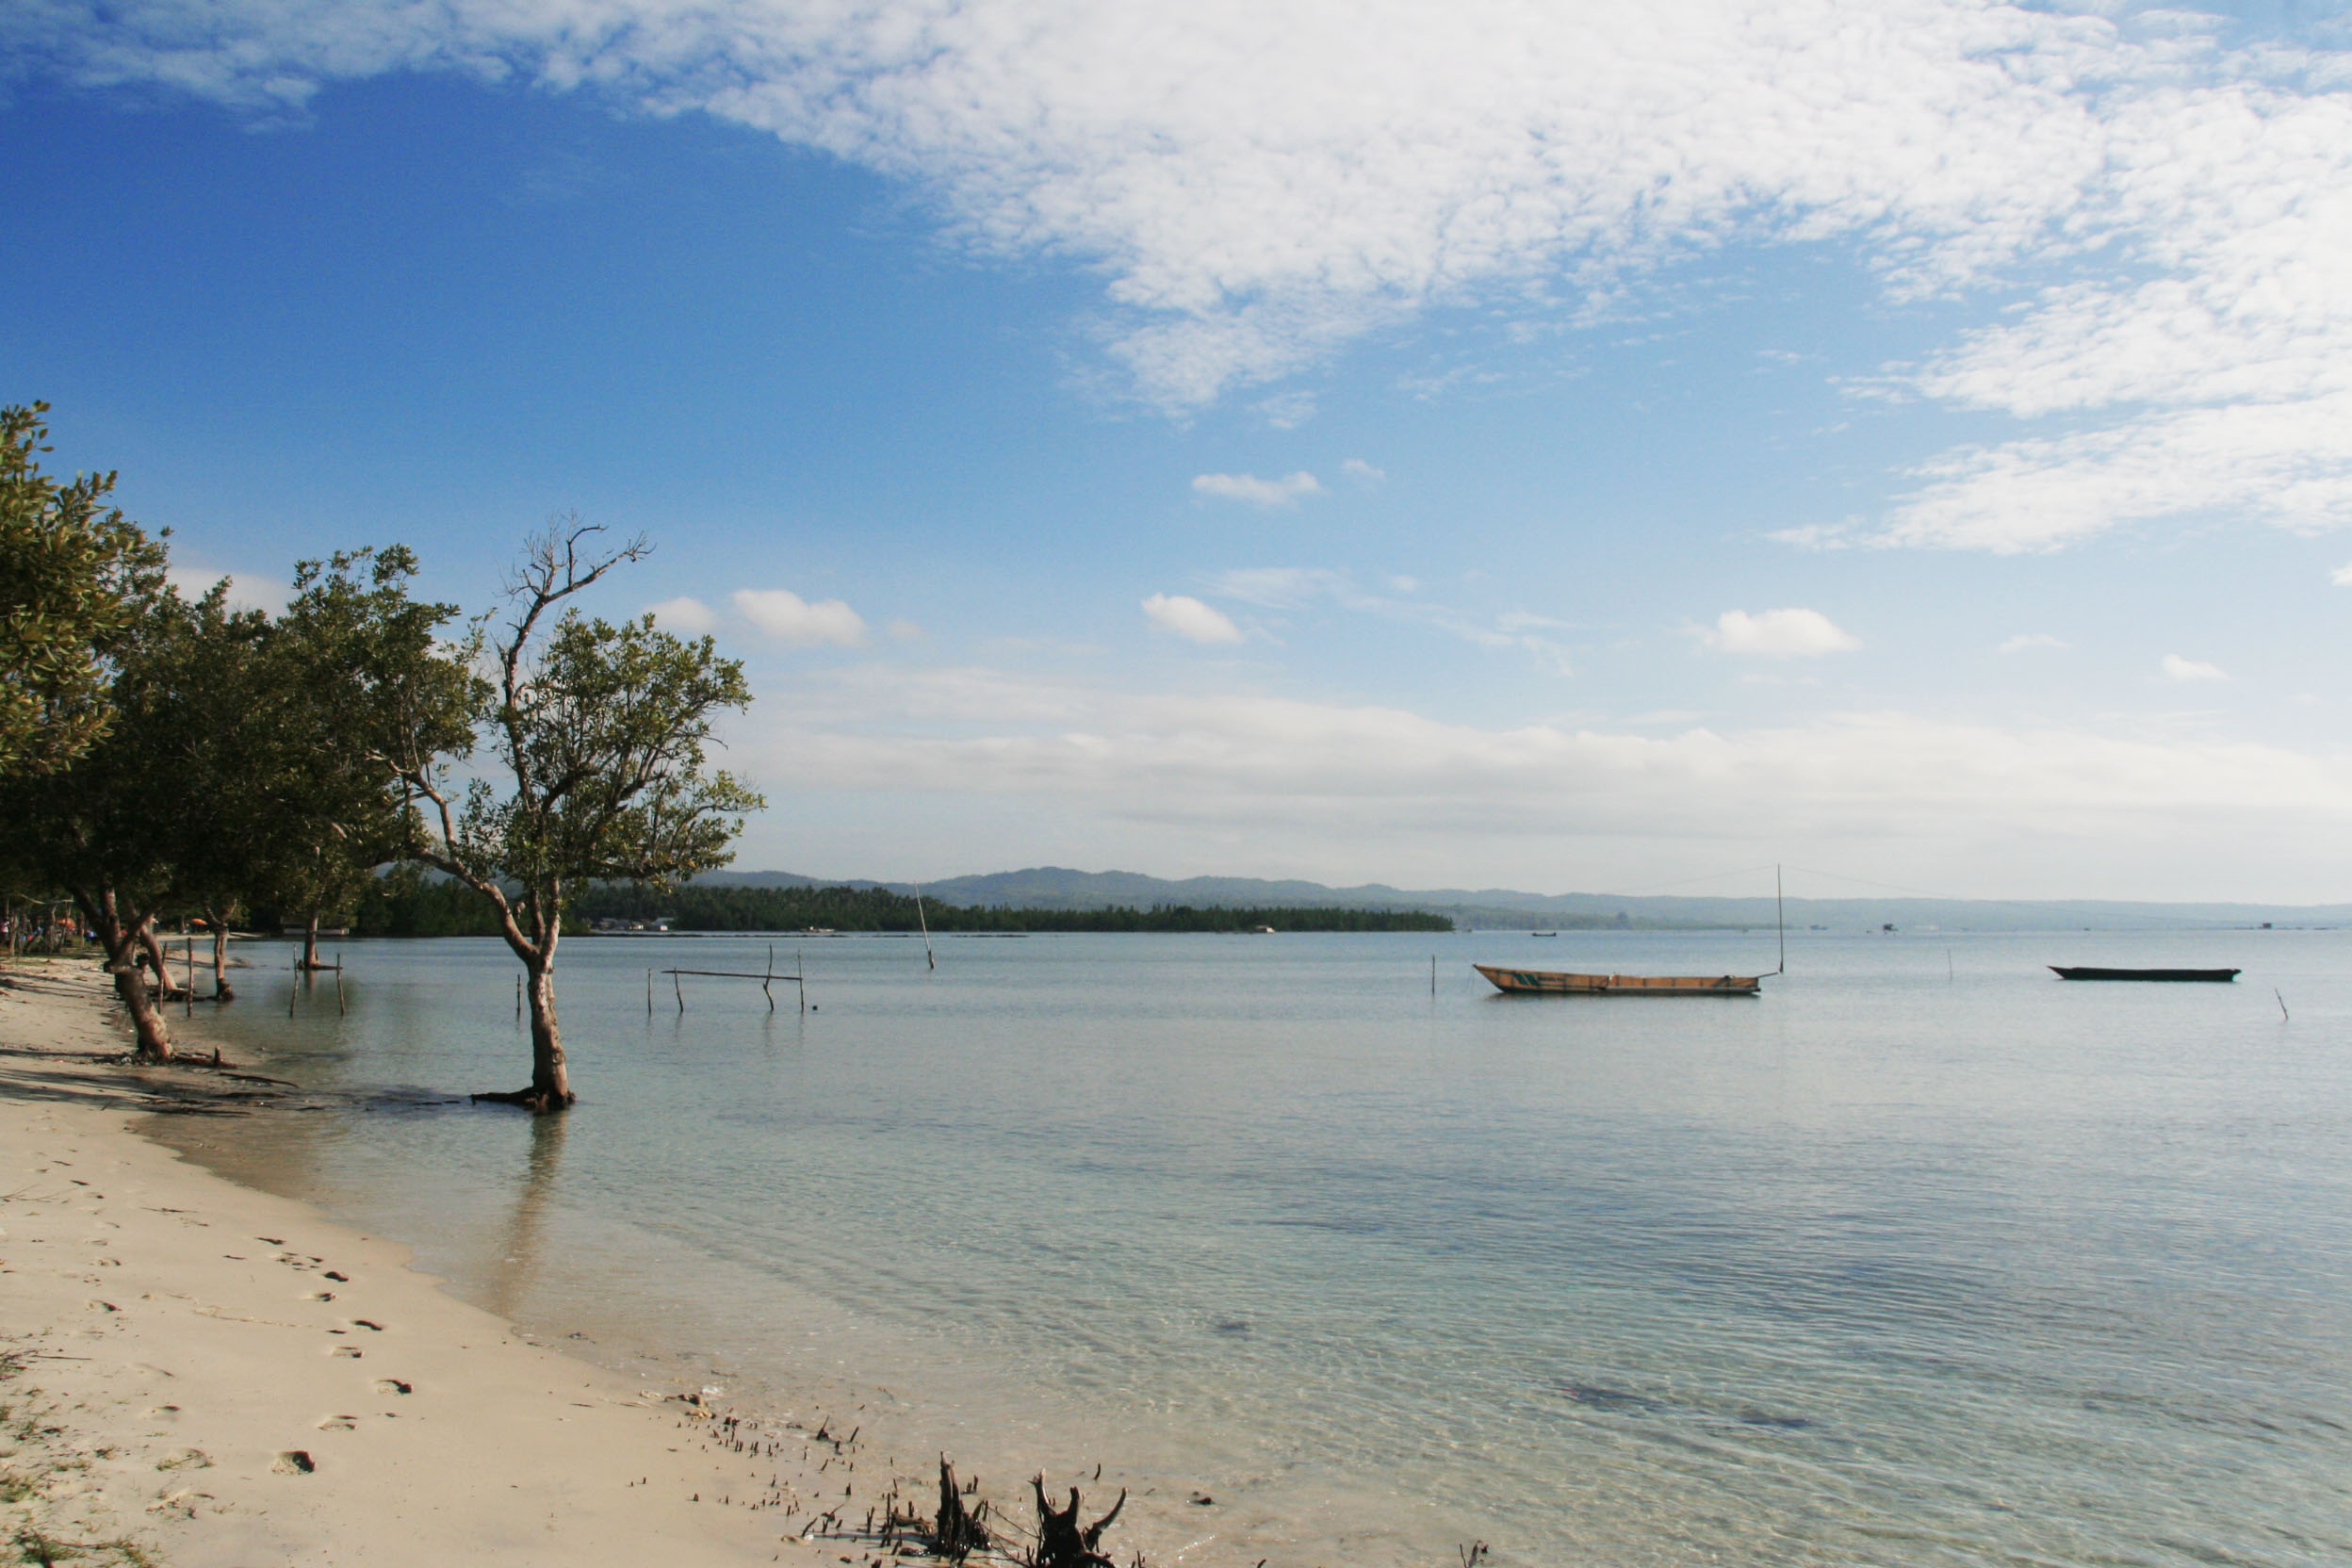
(1059, 887)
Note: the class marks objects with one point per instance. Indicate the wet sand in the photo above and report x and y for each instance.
(195, 1373)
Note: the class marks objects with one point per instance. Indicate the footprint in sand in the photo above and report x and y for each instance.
(294, 1461)
(394, 1385)
(319, 1296)
(184, 1459)
(363, 1323)
(338, 1423)
(348, 1352)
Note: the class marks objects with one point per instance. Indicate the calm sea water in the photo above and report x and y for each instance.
(1922, 1257)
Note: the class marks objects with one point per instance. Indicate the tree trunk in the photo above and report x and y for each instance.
(310, 944)
(120, 939)
(220, 991)
(551, 1082)
(153, 950)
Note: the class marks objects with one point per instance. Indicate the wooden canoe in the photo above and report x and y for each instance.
(1544, 982)
(2207, 977)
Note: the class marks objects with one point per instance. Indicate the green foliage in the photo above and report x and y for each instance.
(356, 683)
(601, 732)
(405, 903)
(74, 575)
(605, 741)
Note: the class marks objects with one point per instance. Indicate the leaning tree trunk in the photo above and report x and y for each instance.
(153, 950)
(310, 944)
(120, 939)
(220, 991)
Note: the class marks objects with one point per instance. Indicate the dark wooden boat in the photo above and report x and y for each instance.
(1545, 982)
(2210, 976)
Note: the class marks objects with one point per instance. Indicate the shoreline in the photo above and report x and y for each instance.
(200, 1373)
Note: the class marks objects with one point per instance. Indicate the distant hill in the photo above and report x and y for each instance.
(1502, 909)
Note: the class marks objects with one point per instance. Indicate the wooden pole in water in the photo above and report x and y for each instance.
(1433, 975)
(648, 993)
(1780, 919)
(768, 978)
(928, 962)
(2282, 1005)
(340, 1010)
(800, 967)
(290, 986)
(680, 986)
(191, 974)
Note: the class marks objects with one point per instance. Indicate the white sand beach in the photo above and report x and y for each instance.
(198, 1374)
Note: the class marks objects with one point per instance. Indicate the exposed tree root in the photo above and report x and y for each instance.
(1062, 1543)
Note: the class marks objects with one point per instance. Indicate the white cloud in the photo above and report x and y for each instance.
(246, 590)
(1187, 617)
(2026, 641)
(789, 618)
(1297, 587)
(1288, 410)
(2177, 668)
(1260, 182)
(1256, 491)
(1363, 473)
(684, 615)
(2340, 577)
(1777, 634)
(1283, 587)
(905, 632)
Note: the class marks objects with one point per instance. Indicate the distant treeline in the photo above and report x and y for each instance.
(411, 906)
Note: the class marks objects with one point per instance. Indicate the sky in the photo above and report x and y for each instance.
(1556, 446)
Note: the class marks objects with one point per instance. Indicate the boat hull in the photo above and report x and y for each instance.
(1544, 982)
(2192, 976)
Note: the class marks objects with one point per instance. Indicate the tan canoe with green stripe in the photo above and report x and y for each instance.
(1544, 982)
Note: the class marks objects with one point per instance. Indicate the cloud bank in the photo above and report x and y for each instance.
(1351, 788)
(1260, 182)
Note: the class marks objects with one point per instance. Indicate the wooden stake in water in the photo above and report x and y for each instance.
(648, 993)
(928, 962)
(191, 974)
(2282, 1005)
(1433, 975)
(800, 968)
(340, 1010)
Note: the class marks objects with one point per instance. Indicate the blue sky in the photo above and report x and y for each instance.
(1553, 447)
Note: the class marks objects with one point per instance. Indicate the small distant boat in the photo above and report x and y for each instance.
(2207, 977)
(1544, 982)
(1542, 933)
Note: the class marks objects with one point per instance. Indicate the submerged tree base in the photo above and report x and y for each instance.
(537, 1101)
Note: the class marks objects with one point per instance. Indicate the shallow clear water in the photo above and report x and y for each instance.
(1922, 1257)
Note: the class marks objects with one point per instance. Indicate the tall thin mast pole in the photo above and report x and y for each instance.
(1780, 918)
(928, 962)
